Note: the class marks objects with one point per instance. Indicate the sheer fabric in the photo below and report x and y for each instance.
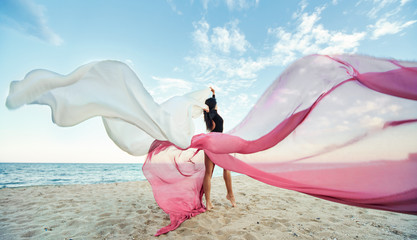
(341, 128)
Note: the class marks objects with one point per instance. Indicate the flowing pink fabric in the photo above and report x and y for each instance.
(345, 164)
(342, 128)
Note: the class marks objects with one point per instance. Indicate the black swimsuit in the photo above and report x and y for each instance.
(218, 121)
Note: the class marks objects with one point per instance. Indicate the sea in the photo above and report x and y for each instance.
(14, 175)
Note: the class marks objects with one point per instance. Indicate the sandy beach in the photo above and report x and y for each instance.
(129, 211)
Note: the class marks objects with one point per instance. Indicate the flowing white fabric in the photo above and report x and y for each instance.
(110, 89)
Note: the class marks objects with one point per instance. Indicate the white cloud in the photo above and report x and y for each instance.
(376, 107)
(392, 109)
(239, 105)
(388, 19)
(379, 5)
(29, 18)
(340, 43)
(228, 38)
(372, 121)
(205, 4)
(226, 66)
(243, 99)
(403, 2)
(384, 27)
(303, 4)
(232, 5)
(223, 52)
(172, 83)
(241, 4)
(163, 89)
(311, 37)
(220, 50)
(224, 39)
(178, 69)
(342, 128)
(174, 7)
(200, 35)
(362, 108)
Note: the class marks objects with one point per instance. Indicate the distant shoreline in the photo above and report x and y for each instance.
(15, 175)
(49, 174)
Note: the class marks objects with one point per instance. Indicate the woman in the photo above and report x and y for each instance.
(214, 123)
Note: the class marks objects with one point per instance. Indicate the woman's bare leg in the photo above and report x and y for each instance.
(207, 180)
(228, 180)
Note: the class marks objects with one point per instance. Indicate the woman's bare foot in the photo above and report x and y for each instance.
(209, 206)
(231, 198)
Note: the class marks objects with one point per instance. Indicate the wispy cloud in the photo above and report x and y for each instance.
(174, 7)
(29, 18)
(403, 2)
(229, 38)
(205, 4)
(379, 6)
(163, 88)
(311, 37)
(172, 83)
(377, 107)
(371, 121)
(224, 52)
(232, 5)
(388, 20)
(220, 50)
(384, 27)
(223, 39)
(241, 4)
(302, 6)
(224, 57)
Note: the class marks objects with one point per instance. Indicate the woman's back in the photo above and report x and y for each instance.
(218, 123)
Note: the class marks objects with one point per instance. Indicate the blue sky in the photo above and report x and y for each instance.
(237, 46)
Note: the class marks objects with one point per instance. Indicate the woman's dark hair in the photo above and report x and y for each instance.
(208, 116)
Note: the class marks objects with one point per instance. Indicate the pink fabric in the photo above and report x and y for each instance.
(341, 128)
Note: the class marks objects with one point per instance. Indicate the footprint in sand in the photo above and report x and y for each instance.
(29, 234)
(270, 223)
(300, 213)
(155, 210)
(122, 225)
(149, 222)
(104, 215)
(249, 236)
(73, 222)
(334, 220)
(141, 211)
(284, 222)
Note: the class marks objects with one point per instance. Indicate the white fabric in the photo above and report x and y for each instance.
(110, 89)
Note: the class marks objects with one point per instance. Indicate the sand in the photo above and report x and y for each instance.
(129, 211)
